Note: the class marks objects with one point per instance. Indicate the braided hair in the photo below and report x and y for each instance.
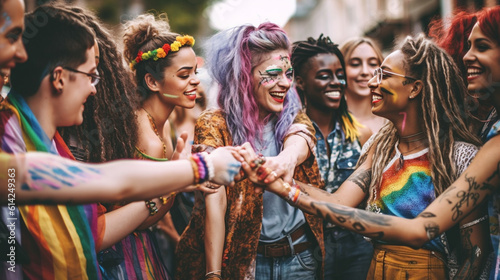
(302, 51)
(442, 109)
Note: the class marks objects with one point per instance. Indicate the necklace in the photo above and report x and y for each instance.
(401, 158)
(412, 140)
(413, 135)
(153, 126)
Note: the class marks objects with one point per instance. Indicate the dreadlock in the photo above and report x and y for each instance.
(302, 51)
(442, 110)
(109, 128)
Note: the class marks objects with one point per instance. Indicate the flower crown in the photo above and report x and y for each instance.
(163, 51)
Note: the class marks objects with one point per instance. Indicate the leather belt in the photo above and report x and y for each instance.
(281, 248)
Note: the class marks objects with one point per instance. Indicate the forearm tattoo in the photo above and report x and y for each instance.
(432, 230)
(362, 178)
(351, 218)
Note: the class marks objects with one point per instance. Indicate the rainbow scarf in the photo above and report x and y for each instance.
(59, 239)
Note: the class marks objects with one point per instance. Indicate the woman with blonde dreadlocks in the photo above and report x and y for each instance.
(321, 83)
(407, 164)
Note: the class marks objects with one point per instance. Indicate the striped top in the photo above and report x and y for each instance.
(136, 256)
(60, 240)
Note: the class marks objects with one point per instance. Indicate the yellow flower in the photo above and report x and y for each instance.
(182, 39)
(189, 39)
(175, 46)
(161, 53)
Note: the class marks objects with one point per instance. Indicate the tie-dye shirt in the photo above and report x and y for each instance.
(59, 240)
(405, 191)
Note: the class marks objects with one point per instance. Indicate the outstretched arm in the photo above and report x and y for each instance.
(478, 181)
(43, 178)
(298, 146)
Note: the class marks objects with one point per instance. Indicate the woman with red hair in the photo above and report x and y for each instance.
(454, 40)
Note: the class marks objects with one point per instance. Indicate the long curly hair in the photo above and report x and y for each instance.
(109, 128)
(302, 51)
(231, 57)
(442, 110)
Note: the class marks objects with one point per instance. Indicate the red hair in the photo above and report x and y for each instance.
(489, 22)
(453, 39)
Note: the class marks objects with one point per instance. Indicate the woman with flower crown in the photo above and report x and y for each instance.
(164, 64)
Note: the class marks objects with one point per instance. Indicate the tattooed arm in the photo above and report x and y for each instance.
(45, 178)
(479, 180)
(351, 193)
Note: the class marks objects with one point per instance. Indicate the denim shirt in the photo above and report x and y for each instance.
(343, 157)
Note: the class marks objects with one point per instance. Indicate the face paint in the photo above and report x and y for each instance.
(232, 171)
(170, 95)
(387, 91)
(404, 121)
(272, 79)
(7, 23)
(273, 74)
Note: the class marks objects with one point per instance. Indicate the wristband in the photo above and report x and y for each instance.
(209, 164)
(151, 205)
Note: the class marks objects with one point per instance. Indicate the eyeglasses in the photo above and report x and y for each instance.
(379, 73)
(94, 78)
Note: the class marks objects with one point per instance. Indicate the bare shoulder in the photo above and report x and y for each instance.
(364, 134)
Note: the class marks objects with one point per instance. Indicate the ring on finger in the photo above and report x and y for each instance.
(259, 161)
(274, 174)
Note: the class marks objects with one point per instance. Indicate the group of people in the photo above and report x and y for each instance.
(313, 149)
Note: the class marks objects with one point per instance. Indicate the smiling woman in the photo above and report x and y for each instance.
(424, 148)
(165, 70)
(238, 234)
(321, 84)
(362, 57)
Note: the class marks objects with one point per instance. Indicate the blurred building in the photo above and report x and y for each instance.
(386, 21)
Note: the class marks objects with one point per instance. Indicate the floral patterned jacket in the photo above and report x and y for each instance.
(244, 211)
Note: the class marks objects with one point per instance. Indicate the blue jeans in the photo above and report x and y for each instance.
(299, 266)
(348, 255)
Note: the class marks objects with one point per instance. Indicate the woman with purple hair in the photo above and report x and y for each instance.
(237, 233)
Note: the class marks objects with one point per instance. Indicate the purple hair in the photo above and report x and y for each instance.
(231, 56)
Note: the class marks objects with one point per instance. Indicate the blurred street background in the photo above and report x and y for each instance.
(385, 21)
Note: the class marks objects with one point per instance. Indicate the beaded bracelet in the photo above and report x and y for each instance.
(294, 192)
(204, 162)
(201, 170)
(201, 167)
(151, 205)
(194, 165)
(209, 164)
